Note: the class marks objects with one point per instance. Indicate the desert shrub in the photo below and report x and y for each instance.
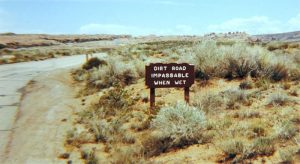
(76, 138)
(142, 123)
(240, 60)
(263, 83)
(209, 102)
(101, 129)
(278, 99)
(155, 144)
(262, 146)
(64, 155)
(2, 46)
(206, 58)
(258, 129)
(94, 62)
(285, 130)
(140, 68)
(286, 156)
(286, 86)
(128, 137)
(294, 92)
(113, 73)
(89, 156)
(233, 147)
(279, 72)
(180, 122)
(79, 74)
(233, 97)
(248, 114)
(127, 76)
(130, 154)
(228, 99)
(116, 99)
(246, 85)
(176, 126)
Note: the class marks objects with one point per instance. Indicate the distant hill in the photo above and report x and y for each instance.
(285, 37)
(12, 40)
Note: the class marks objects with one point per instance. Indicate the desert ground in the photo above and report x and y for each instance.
(58, 107)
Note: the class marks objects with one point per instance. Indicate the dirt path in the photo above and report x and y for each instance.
(44, 116)
(13, 77)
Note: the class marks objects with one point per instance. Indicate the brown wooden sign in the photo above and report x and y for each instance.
(159, 75)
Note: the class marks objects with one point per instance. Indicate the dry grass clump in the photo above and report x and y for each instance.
(175, 126)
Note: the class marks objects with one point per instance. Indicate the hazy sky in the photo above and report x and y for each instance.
(143, 17)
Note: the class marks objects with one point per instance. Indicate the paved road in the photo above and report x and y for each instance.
(15, 76)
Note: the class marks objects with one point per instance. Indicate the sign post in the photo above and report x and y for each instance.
(152, 98)
(172, 75)
(187, 94)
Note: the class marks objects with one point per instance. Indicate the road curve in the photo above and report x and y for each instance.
(13, 77)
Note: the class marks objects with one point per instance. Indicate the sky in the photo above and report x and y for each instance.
(145, 17)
